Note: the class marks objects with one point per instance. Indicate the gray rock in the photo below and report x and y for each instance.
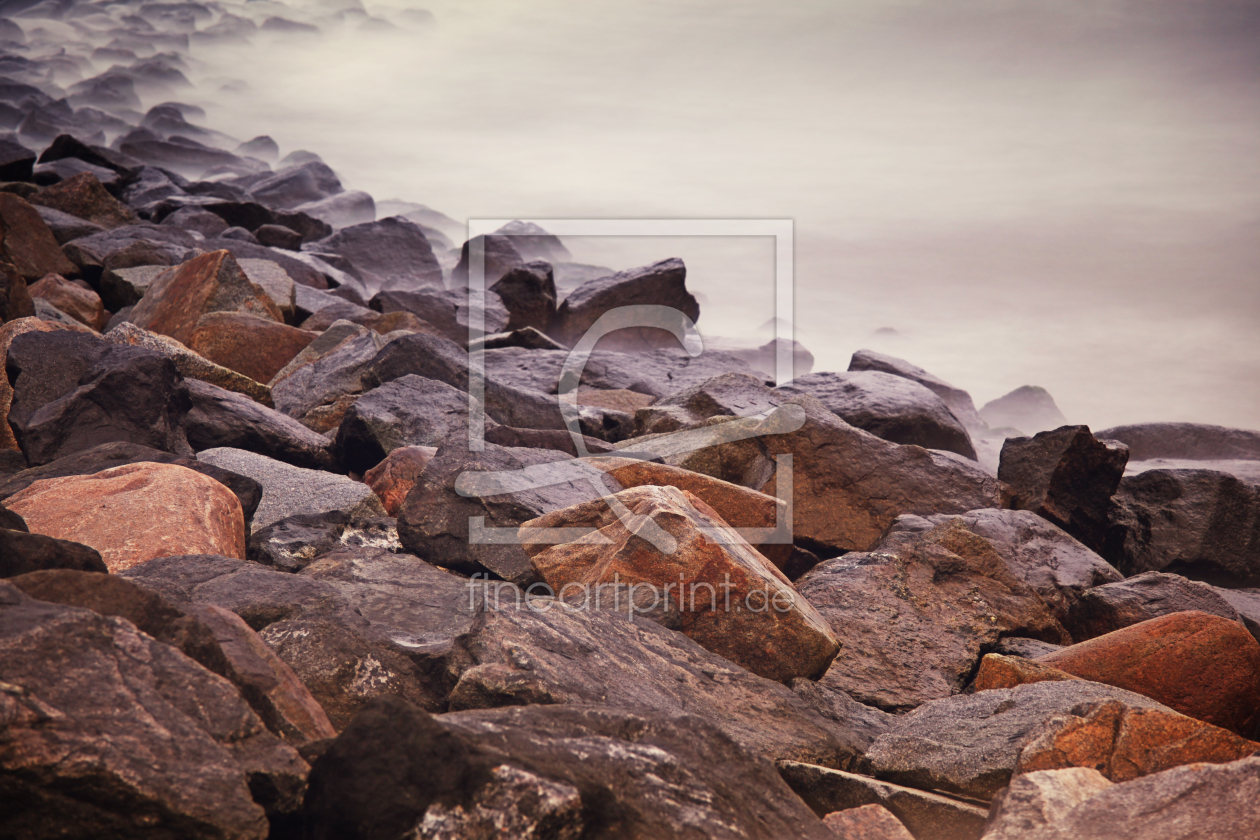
(348, 208)
(929, 816)
(888, 406)
(340, 373)
(1248, 472)
(66, 227)
(958, 400)
(220, 418)
(125, 286)
(449, 310)
(293, 543)
(1247, 603)
(1029, 408)
(1027, 648)
(389, 254)
(295, 185)
(1033, 805)
(970, 744)
(864, 723)
(500, 257)
(660, 284)
(275, 281)
(1188, 441)
(528, 292)
(1148, 595)
(288, 490)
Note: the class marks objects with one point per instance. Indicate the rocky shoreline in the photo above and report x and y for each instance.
(259, 582)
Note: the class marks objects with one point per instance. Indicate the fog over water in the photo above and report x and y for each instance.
(1064, 194)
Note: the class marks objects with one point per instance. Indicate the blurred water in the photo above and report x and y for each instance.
(1056, 194)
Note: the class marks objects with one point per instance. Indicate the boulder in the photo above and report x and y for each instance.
(545, 771)
(83, 305)
(1029, 408)
(523, 484)
(323, 380)
(295, 185)
(66, 228)
(1201, 665)
(394, 477)
(1203, 524)
(220, 418)
(1148, 595)
(136, 512)
(671, 539)
(22, 552)
(147, 743)
(293, 543)
(1031, 808)
(72, 391)
(27, 244)
(500, 257)
(560, 441)
(123, 287)
(409, 411)
(275, 281)
(928, 816)
(16, 161)
(891, 407)
(1125, 743)
(351, 207)
(1198, 800)
(969, 745)
(392, 253)
(8, 331)
(196, 218)
(448, 310)
(956, 399)
(15, 297)
(82, 195)
(1247, 603)
(914, 622)
(528, 292)
(660, 284)
(533, 242)
(1066, 475)
(999, 670)
(177, 300)
(1187, 441)
(288, 490)
(252, 346)
(867, 822)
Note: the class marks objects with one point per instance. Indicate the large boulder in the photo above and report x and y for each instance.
(528, 292)
(27, 244)
(1066, 475)
(295, 542)
(1148, 595)
(660, 284)
(671, 539)
(221, 418)
(1201, 523)
(295, 185)
(1186, 441)
(409, 411)
(1201, 665)
(190, 365)
(8, 331)
(15, 296)
(81, 304)
(914, 622)
(325, 379)
(82, 195)
(22, 552)
(395, 476)
(388, 254)
(958, 401)
(1029, 408)
(499, 257)
(146, 744)
(288, 490)
(891, 407)
(546, 771)
(133, 513)
(73, 391)
(255, 347)
(449, 310)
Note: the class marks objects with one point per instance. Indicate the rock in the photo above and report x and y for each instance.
(15, 298)
(1006, 671)
(190, 365)
(146, 741)
(864, 723)
(295, 185)
(45, 311)
(193, 218)
(293, 263)
(22, 552)
(660, 284)
(121, 287)
(958, 400)
(133, 513)
(433, 522)
(8, 331)
(1066, 475)
(1029, 408)
(1148, 595)
(220, 418)
(325, 381)
(560, 441)
(262, 147)
(913, 623)
(1202, 800)
(279, 236)
(529, 294)
(500, 257)
(867, 822)
(177, 300)
(545, 771)
(1201, 665)
(533, 242)
(275, 281)
(970, 744)
(928, 816)
(1038, 552)
(1189, 441)
(891, 407)
(1198, 523)
(216, 639)
(409, 411)
(239, 233)
(769, 631)
(385, 255)
(83, 196)
(84, 305)
(16, 161)
(27, 244)
(526, 337)
(448, 310)
(66, 228)
(73, 391)
(1247, 603)
(1035, 803)
(393, 478)
(252, 346)
(346, 208)
(1124, 743)
(1248, 472)
(288, 490)
(848, 486)
(294, 542)
(127, 247)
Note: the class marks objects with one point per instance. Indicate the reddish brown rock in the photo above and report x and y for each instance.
(1201, 665)
(867, 822)
(256, 347)
(998, 671)
(15, 297)
(712, 586)
(616, 399)
(8, 332)
(392, 479)
(27, 243)
(136, 512)
(81, 304)
(82, 195)
(1124, 743)
(178, 298)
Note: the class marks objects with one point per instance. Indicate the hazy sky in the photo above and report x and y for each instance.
(1056, 193)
